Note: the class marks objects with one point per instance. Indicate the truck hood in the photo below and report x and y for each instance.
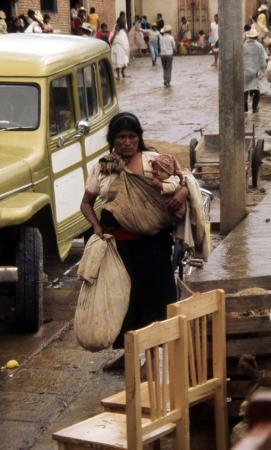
(15, 173)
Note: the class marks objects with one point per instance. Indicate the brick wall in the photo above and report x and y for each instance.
(61, 20)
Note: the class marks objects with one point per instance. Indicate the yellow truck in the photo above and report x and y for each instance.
(57, 95)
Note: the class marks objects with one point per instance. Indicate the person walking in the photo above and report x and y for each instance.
(119, 49)
(93, 20)
(153, 41)
(255, 64)
(146, 255)
(159, 22)
(167, 48)
(213, 35)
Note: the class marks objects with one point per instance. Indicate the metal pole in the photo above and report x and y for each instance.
(231, 115)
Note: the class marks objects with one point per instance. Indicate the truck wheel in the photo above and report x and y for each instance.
(29, 287)
(256, 160)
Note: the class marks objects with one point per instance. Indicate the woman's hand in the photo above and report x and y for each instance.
(98, 230)
(177, 199)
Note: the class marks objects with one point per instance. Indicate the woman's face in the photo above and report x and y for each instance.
(126, 143)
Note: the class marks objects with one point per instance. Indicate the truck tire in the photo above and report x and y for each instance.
(29, 287)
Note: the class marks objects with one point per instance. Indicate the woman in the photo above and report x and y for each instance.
(119, 49)
(47, 26)
(185, 32)
(146, 257)
(136, 39)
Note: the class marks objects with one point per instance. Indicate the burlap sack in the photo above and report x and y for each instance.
(104, 299)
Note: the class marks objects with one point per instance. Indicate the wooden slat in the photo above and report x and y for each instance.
(164, 379)
(154, 334)
(157, 383)
(197, 393)
(244, 325)
(248, 303)
(255, 346)
(204, 347)
(150, 383)
(198, 350)
(192, 367)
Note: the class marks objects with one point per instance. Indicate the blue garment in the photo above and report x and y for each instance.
(153, 46)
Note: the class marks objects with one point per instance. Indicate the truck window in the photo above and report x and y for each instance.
(61, 106)
(19, 106)
(86, 80)
(105, 75)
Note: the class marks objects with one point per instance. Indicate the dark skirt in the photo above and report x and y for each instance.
(148, 261)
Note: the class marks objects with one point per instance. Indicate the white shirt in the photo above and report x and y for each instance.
(167, 45)
(214, 32)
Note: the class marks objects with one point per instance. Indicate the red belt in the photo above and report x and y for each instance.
(120, 234)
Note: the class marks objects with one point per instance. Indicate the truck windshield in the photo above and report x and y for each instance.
(19, 106)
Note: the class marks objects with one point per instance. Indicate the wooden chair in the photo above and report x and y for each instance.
(131, 431)
(205, 314)
(196, 384)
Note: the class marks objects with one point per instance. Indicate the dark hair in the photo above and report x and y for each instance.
(46, 17)
(121, 24)
(31, 13)
(92, 10)
(247, 27)
(124, 121)
(103, 25)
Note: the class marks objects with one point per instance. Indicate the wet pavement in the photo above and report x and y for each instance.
(58, 383)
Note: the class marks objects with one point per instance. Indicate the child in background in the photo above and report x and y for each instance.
(103, 34)
(201, 39)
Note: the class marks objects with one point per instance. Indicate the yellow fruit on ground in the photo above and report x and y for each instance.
(12, 364)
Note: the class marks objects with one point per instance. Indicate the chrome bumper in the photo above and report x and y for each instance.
(8, 274)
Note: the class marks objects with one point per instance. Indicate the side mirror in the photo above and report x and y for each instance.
(82, 127)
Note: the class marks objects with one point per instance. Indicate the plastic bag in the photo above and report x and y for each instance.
(104, 299)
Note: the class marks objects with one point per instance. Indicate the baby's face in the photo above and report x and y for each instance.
(159, 173)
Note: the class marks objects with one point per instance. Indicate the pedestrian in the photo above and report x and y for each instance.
(254, 57)
(185, 32)
(159, 22)
(262, 20)
(122, 19)
(103, 33)
(79, 20)
(47, 26)
(3, 23)
(136, 39)
(153, 41)
(94, 20)
(147, 257)
(119, 49)
(35, 21)
(167, 49)
(213, 35)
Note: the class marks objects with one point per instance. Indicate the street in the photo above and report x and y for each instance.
(58, 383)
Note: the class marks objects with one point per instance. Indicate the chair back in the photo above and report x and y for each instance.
(154, 341)
(205, 314)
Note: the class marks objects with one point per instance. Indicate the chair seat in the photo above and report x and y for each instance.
(106, 429)
(117, 402)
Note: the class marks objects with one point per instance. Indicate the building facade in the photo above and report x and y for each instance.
(59, 10)
(199, 13)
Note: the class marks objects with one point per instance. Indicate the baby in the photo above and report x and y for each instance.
(166, 174)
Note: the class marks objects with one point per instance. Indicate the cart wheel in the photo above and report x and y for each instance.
(192, 152)
(256, 160)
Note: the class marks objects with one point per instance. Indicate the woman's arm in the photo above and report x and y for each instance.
(87, 209)
(177, 199)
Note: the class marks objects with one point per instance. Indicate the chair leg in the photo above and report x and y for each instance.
(182, 433)
(221, 420)
(156, 445)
